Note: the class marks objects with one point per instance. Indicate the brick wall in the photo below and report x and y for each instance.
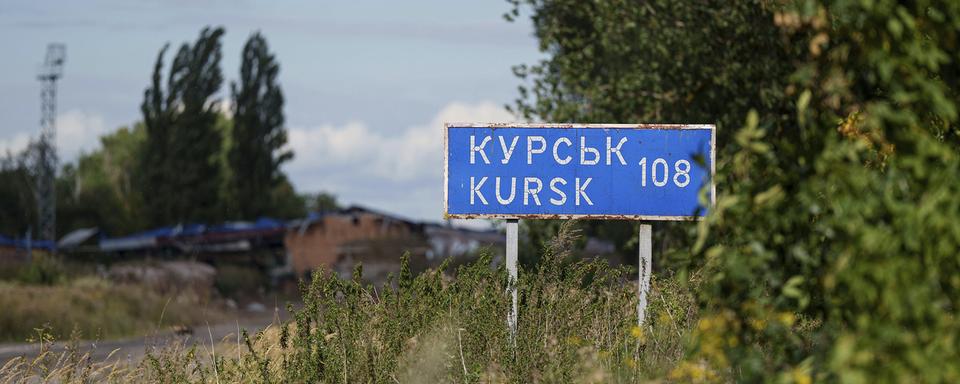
(317, 245)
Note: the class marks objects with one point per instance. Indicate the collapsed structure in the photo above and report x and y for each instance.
(333, 241)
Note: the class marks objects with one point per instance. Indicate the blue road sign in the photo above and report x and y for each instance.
(609, 171)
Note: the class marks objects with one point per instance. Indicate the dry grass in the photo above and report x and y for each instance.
(577, 324)
(96, 308)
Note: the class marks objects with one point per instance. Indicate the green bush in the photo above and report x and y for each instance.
(834, 247)
(833, 253)
(42, 269)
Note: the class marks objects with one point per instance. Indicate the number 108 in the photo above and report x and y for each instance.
(659, 172)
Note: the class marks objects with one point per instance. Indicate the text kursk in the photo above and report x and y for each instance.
(503, 149)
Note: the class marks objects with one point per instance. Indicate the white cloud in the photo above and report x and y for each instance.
(399, 173)
(77, 131)
(15, 144)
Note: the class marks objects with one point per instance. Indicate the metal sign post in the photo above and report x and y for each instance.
(648, 172)
(511, 261)
(645, 270)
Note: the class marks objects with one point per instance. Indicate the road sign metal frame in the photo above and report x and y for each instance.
(446, 168)
(645, 233)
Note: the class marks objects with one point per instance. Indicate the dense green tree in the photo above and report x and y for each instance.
(846, 232)
(17, 208)
(324, 202)
(95, 191)
(180, 169)
(258, 136)
(81, 205)
(287, 203)
(661, 61)
(186, 161)
(99, 190)
(831, 253)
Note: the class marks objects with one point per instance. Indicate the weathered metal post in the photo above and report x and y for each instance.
(511, 259)
(645, 270)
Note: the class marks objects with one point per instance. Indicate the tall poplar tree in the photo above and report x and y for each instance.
(17, 205)
(258, 135)
(179, 169)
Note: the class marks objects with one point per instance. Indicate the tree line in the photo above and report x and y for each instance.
(192, 157)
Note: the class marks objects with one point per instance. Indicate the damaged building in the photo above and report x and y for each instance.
(338, 241)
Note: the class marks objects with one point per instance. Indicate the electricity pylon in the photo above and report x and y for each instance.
(46, 164)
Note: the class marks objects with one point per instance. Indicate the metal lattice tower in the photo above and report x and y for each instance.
(46, 164)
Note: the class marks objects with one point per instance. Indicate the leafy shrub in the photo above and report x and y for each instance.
(832, 253)
(42, 269)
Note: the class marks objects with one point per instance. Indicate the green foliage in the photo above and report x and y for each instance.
(17, 206)
(662, 61)
(258, 136)
(286, 202)
(186, 161)
(323, 202)
(832, 254)
(179, 168)
(42, 269)
(197, 164)
(99, 191)
(868, 257)
(659, 61)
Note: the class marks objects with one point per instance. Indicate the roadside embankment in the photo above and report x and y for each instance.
(95, 308)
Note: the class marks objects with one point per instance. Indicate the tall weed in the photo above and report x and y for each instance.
(577, 323)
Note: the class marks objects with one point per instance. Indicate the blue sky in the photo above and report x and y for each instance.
(367, 83)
